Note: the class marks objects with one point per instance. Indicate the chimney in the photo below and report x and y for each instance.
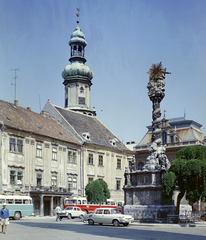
(28, 108)
(16, 102)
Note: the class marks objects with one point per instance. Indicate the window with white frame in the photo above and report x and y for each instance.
(69, 156)
(38, 179)
(100, 160)
(118, 183)
(16, 177)
(12, 143)
(19, 146)
(54, 180)
(90, 160)
(72, 182)
(90, 179)
(39, 150)
(74, 157)
(54, 153)
(119, 163)
(15, 145)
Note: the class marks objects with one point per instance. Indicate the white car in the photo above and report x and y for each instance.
(72, 212)
(108, 216)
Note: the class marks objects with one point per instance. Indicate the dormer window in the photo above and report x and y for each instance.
(113, 141)
(86, 135)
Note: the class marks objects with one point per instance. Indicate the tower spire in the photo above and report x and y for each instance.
(77, 76)
(77, 16)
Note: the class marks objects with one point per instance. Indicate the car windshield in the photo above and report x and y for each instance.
(114, 211)
(69, 208)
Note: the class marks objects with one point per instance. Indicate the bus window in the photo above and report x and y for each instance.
(79, 202)
(9, 201)
(84, 202)
(18, 201)
(2, 201)
(25, 201)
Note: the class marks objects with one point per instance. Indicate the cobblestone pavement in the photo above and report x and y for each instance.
(37, 228)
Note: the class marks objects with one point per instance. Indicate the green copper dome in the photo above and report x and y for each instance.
(77, 69)
(77, 37)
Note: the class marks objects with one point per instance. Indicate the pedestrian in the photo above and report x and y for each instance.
(4, 215)
(58, 210)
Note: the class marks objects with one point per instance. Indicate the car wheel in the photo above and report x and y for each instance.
(91, 222)
(125, 224)
(116, 223)
(69, 216)
(17, 215)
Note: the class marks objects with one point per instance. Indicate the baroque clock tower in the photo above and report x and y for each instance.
(77, 76)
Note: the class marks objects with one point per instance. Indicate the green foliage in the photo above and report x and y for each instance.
(97, 191)
(168, 185)
(192, 152)
(188, 172)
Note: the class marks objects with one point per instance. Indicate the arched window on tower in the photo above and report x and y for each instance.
(79, 50)
(75, 51)
(164, 138)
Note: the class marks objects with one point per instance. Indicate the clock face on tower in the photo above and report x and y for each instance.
(81, 100)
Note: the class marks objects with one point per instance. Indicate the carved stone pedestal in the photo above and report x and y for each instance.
(143, 200)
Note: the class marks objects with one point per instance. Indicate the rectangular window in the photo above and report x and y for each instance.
(69, 156)
(74, 157)
(16, 177)
(70, 182)
(54, 180)
(90, 158)
(118, 185)
(12, 145)
(119, 163)
(39, 150)
(54, 153)
(90, 179)
(74, 183)
(100, 160)
(12, 177)
(20, 146)
(82, 100)
(20, 176)
(38, 179)
(15, 145)
(172, 139)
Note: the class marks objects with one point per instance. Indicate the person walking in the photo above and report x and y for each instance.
(58, 210)
(4, 215)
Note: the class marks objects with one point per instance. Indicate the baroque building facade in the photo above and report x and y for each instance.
(34, 158)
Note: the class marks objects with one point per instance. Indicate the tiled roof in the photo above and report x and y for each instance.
(25, 120)
(98, 133)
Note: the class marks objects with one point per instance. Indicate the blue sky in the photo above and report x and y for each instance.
(124, 38)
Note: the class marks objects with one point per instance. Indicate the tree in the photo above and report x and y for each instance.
(97, 191)
(188, 173)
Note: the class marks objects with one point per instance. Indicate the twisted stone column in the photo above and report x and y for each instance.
(156, 94)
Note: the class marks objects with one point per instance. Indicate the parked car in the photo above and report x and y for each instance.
(72, 212)
(108, 216)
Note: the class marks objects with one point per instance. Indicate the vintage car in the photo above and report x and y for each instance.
(108, 216)
(72, 212)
